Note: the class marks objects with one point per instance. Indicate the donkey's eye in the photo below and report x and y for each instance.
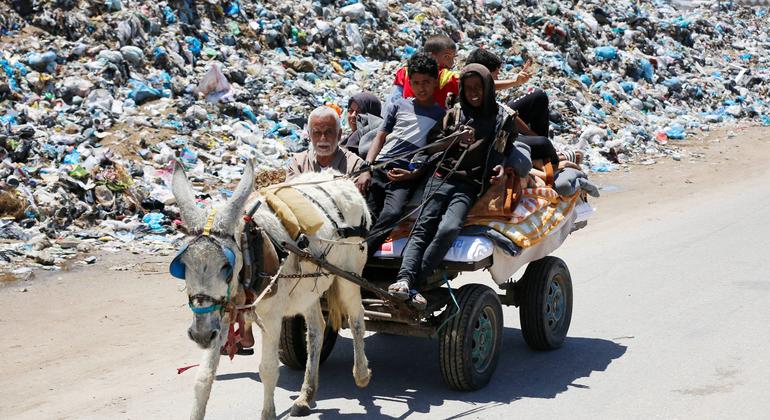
(225, 268)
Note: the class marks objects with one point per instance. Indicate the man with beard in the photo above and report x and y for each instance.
(325, 133)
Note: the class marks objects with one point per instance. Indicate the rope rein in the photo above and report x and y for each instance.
(319, 273)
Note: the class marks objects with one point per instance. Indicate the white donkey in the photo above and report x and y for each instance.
(211, 261)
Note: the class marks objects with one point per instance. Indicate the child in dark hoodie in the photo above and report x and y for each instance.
(485, 147)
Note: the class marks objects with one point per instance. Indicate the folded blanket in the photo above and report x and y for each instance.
(540, 211)
(294, 210)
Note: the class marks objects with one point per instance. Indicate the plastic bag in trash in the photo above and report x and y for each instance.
(154, 222)
(214, 85)
(141, 92)
(606, 53)
(45, 62)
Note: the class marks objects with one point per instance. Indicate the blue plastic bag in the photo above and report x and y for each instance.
(8, 119)
(141, 93)
(675, 131)
(72, 158)
(609, 98)
(233, 9)
(628, 87)
(153, 221)
(158, 53)
(188, 157)
(408, 52)
(606, 53)
(45, 62)
(246, 111)
(169, 16)
(194, 45)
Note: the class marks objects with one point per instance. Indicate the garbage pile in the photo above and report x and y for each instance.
(98, 98)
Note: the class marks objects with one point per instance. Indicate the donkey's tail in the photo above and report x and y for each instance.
(336, 308)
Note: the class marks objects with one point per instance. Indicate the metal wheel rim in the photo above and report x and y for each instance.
(483, 340)
(555, 303)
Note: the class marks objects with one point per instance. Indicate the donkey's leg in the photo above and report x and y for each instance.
(205, 377)
(268, 367)
(350, 296)
(315, 328)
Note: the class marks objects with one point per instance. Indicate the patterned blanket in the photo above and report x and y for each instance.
(538, 213)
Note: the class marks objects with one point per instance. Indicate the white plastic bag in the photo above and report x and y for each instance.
(214, 85)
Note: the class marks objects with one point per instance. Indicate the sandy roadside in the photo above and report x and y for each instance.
(86, 342)
(729, 157)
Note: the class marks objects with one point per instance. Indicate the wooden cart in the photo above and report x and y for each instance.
(467, 321)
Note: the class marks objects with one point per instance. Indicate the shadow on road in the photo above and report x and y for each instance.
(406, 371)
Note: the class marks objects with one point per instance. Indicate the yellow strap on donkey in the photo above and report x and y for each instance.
(294, 210)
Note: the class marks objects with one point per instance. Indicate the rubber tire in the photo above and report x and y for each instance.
(532, 314)
(455, 339)
(293, 344)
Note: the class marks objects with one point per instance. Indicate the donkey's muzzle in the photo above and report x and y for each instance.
(204, 330)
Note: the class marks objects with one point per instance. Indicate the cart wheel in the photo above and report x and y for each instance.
(546, 304)
(469, 344)
(293, 350)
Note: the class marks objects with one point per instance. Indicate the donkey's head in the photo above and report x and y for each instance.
(211, 260)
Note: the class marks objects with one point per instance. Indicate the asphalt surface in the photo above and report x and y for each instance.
(671, 320)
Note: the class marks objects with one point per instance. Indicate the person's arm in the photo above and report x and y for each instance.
(363, 179)
(522, 77)
(377, 143)
(506, 84)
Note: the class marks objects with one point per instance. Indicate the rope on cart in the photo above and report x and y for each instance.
(457, 306)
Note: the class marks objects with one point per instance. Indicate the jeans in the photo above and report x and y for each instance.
(386, 201)
(447, 202)
(533, 110)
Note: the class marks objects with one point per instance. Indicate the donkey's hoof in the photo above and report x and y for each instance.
(363, 381)
(268, 414)
(300, 410)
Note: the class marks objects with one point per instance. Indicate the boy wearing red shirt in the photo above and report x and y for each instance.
(444, 51)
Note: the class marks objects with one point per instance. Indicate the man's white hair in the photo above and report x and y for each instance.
(321, 112)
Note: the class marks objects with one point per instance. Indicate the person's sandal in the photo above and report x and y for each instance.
(399, 290)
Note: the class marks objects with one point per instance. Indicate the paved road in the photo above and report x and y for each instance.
(671, 320)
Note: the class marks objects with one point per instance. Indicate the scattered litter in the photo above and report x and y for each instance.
(98, 99)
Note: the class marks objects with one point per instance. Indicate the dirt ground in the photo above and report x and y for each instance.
(87, 342)
(716, 159)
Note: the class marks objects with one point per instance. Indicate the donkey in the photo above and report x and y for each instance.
(211, 261)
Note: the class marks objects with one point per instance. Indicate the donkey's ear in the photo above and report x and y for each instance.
(234, 207)
(193, 216)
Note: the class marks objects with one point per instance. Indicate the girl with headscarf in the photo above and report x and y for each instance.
(483, 147)
(364, 111)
